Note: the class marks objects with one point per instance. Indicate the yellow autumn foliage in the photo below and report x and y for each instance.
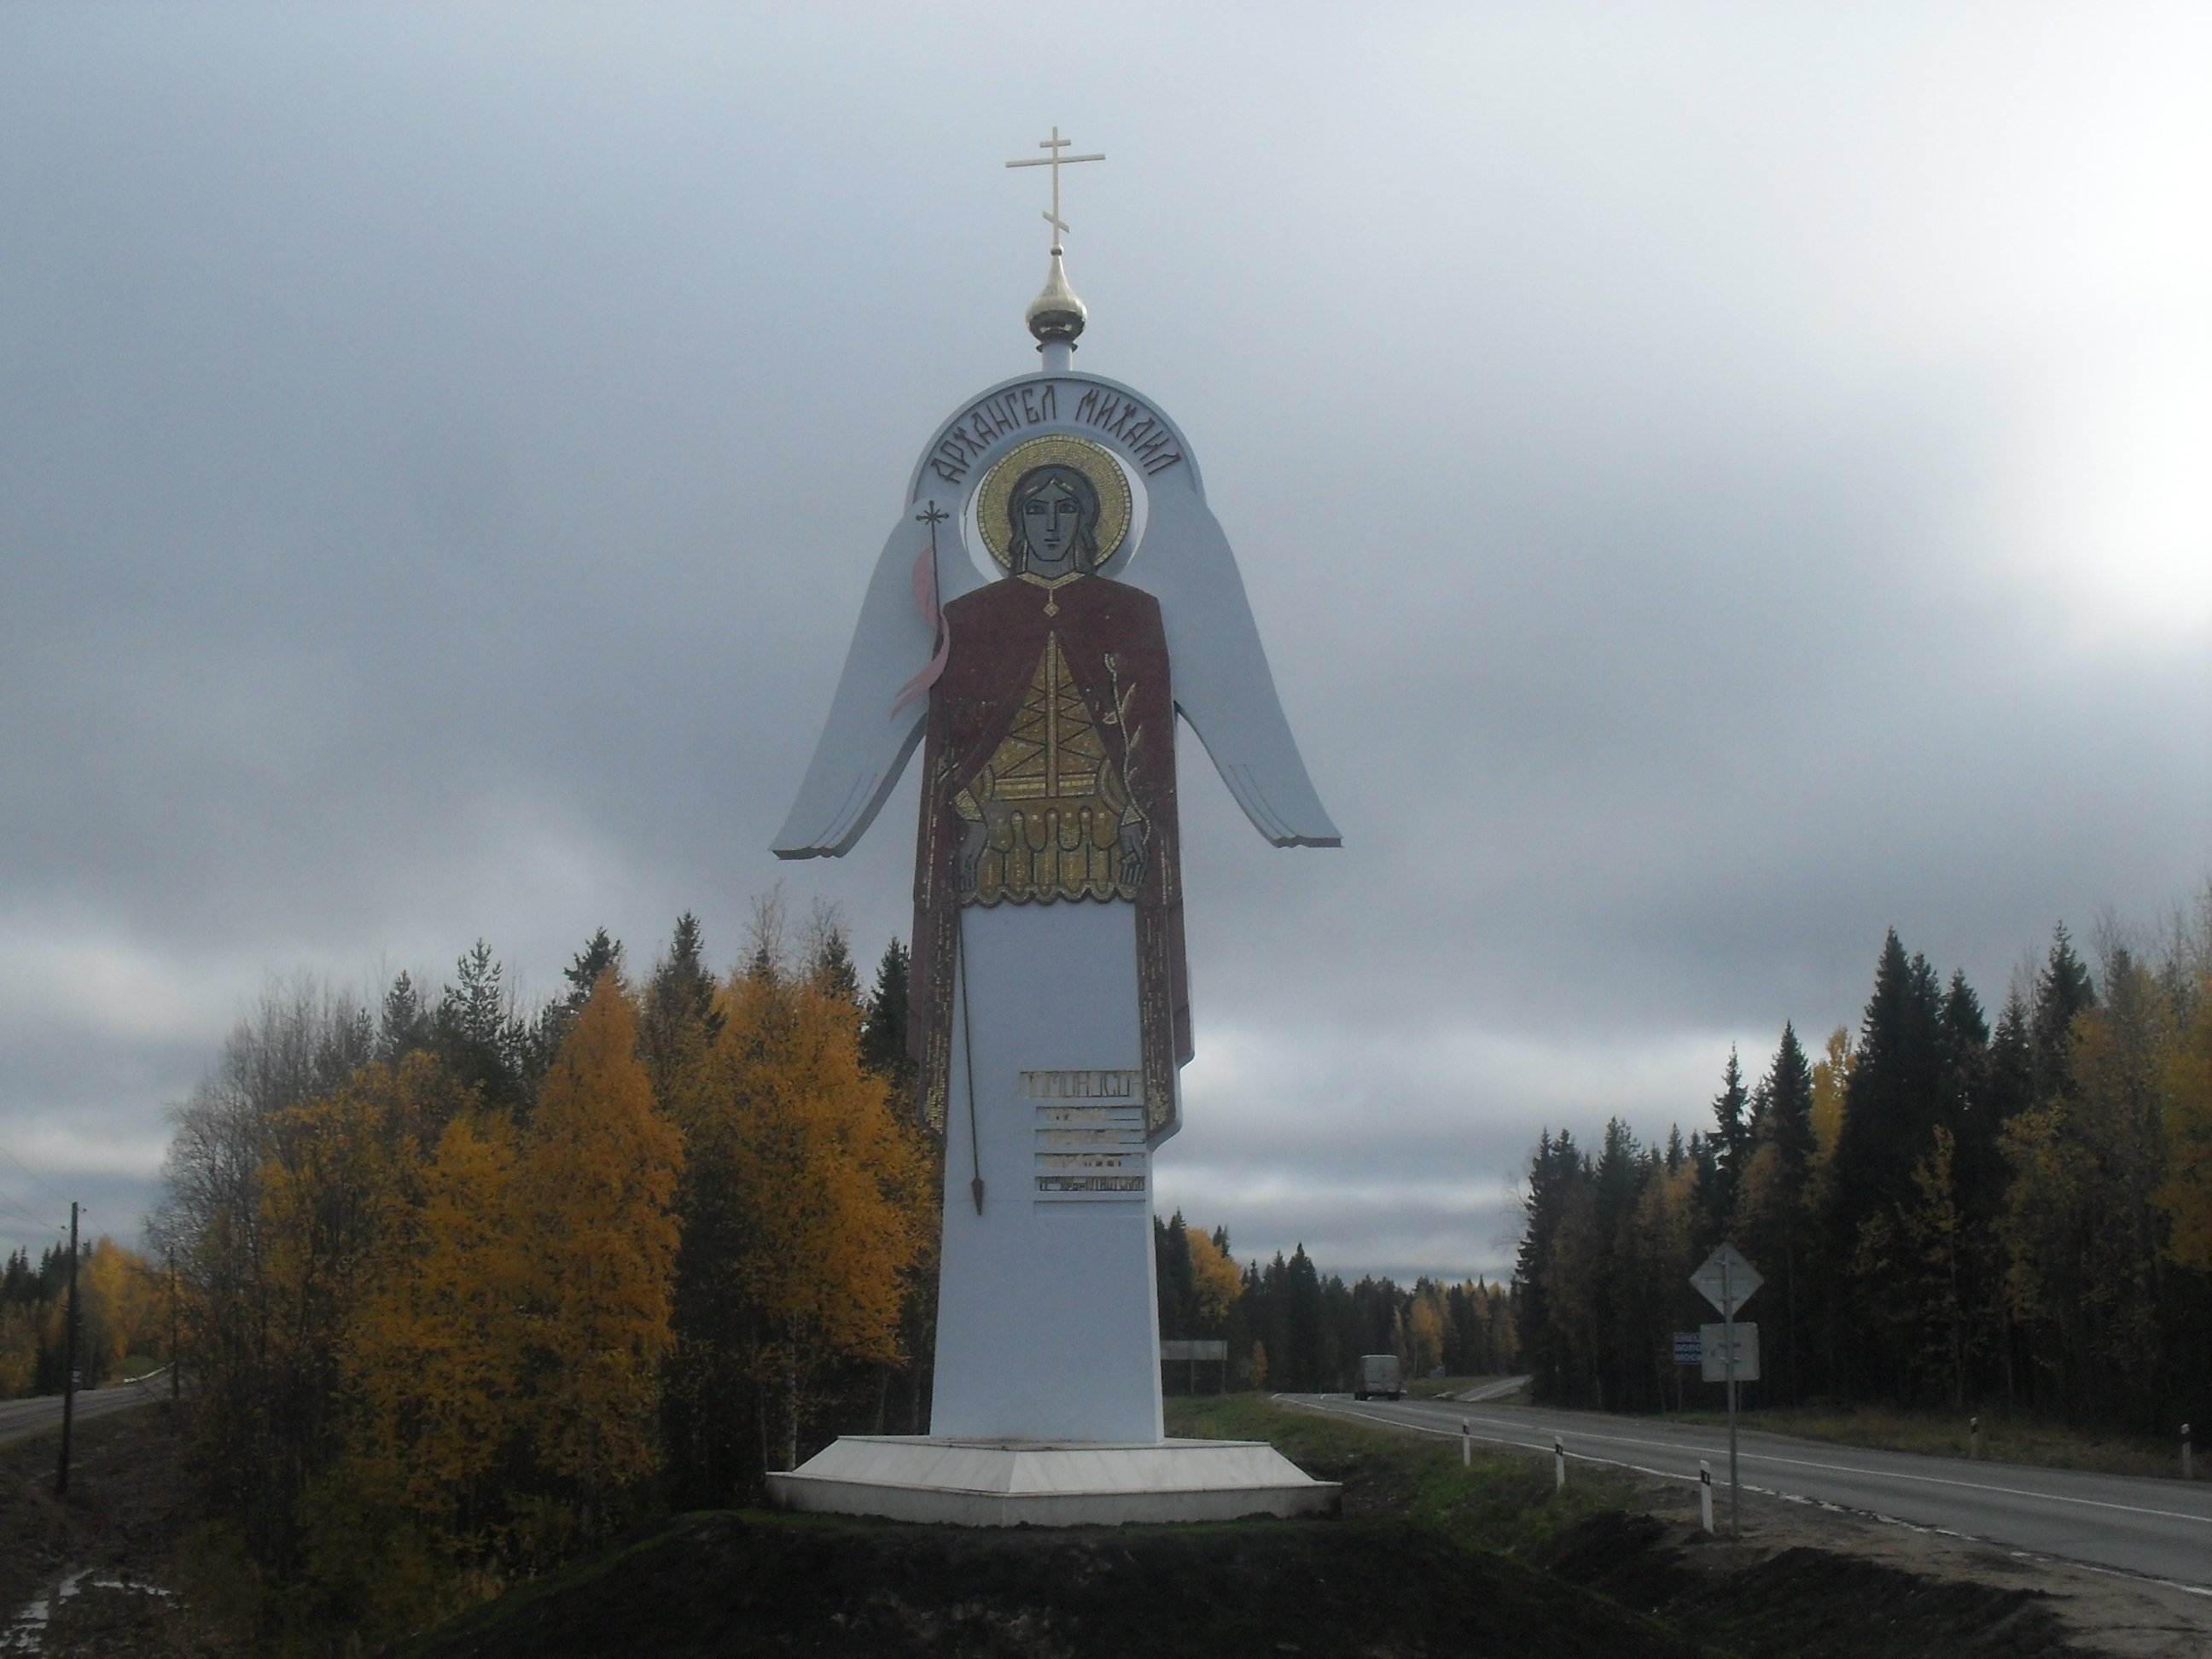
(1215, 1280)
(123, 1306)
(436, 1353)
(1831, 1075)
(505, 1365)
(831, 1184)
(335, 1189)
(1424, 1331)
(595, 1195)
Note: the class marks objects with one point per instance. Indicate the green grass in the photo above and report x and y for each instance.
(2005, 1438)
(1433, 1387)
(1503, 1501)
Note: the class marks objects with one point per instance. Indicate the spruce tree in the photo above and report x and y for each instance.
(1972, 1097)
(883, 1024)
(1303, 1357)
(1731, 1130)
(475, 1033)
(406, 1025)
(601, 955)
(2062, 990)
(1172, 1273)
(1554, 1175)
(2009, 1079)
(1893, 1103)
(1788, 1086)
(1895, 1094)
(677, 1019)
(829, 956)
(1774, 1204)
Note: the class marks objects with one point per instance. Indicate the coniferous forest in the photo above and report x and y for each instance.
(1948, 1209)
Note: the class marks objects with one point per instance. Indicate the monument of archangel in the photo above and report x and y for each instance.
(1054, 593)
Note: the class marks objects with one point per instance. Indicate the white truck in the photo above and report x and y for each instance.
(1379, 1374)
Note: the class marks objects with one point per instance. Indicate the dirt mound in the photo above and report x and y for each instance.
(1807, 1603)
(734, 1584)
(98, 1573)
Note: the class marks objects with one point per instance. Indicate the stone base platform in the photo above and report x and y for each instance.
(1041, 1483)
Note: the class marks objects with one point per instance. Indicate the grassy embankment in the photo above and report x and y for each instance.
(1429, 1559)
(2005, 1438)
(1503, 1503)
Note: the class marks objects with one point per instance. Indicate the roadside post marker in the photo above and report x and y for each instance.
(1466, 1445)
(2188, 1455)
(1558, 1464)
(1706, 1496)
(1973, 1439)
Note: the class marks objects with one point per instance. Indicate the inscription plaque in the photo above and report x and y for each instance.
(1093, 1150)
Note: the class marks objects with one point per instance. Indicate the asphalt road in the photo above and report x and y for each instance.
(2162, 1529)
(19, 1419)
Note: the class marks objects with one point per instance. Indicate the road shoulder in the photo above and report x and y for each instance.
(1816, 1578)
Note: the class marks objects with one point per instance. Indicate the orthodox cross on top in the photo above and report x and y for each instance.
(1055, 161)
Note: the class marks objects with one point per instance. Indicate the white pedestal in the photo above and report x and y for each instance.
(1046, 1407)
(1047, 1323)
(1014, 1483)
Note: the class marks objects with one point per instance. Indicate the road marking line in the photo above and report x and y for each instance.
(1807, 1464)
(1878, 1473)
(1530, 1446)
(1787, 1497)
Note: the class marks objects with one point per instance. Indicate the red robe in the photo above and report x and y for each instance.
(998, 635)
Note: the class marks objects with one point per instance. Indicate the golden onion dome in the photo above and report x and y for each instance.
(1056, 316)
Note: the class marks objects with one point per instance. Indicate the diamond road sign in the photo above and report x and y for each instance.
(1727, 1280)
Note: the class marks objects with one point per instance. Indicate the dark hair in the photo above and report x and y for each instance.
(1029, 486)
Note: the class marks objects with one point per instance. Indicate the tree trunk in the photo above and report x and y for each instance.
(1789, 1287)
(791, 1409)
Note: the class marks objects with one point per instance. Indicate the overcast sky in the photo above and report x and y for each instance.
(1715, 484)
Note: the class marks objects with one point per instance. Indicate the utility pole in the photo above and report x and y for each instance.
(176, 1376)
(68, 1377)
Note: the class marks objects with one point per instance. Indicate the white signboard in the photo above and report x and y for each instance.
(1727, 1280)
(1209, 1349)
(1090, 1138)
(1713, 1357)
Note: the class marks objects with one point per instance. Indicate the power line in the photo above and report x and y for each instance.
(25, 1215)
(34, 1175)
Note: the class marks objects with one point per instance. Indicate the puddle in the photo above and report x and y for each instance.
(26, 1631)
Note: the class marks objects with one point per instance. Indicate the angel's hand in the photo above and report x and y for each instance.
(970, 856)
(1133, 854)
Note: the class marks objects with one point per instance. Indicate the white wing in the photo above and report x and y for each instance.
(1222, 683)
(866, 741)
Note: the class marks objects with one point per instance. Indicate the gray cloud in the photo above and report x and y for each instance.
(1713, 486)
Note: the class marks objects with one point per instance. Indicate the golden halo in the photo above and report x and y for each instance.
(1092, 460)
